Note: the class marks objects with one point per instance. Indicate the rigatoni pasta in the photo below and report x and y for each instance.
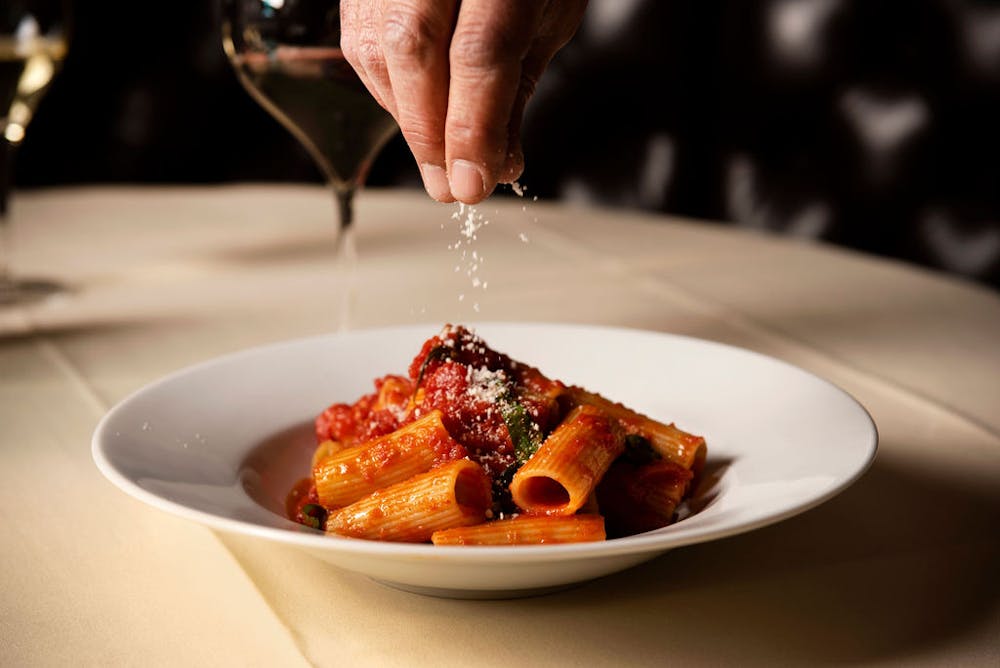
(526, 530)
(471, 447)
(670, 443)
(560, 477)
(452, 495)
(353, 473)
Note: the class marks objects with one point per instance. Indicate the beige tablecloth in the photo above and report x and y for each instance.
(902, 568)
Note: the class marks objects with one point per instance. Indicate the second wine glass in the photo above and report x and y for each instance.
(33, 42)
(287, 55)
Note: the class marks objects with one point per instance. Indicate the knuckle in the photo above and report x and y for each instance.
(489, 139)
(480, 47)
(407, 35)
(422, 138)
(368, 55)
(349, 46)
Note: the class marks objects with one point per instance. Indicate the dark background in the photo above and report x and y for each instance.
(867, 123)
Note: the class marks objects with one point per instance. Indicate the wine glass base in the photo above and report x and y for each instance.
(29, 291)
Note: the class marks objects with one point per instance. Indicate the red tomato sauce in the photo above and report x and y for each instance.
(457, 373)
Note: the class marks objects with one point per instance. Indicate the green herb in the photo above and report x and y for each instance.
(524, 433)
(313, 515)
(639, 451)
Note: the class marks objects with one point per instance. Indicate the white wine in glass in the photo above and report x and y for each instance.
(32, 47)
(287, 54)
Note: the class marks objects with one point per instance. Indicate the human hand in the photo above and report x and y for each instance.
(456, 75)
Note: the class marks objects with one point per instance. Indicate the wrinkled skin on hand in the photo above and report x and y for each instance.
(456, 75)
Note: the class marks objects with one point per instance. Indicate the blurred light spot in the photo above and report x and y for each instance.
(14, 133)
(796, 30)
(967, 252)
(741, 186)
(27, 31)
(744, 205)
(37, 74)
(656, 174)
(811, 222)
(17, 122)
(576, 191)
(981, 32)
(275, 4)
(20, 113)
(605, 19)
(884, 125)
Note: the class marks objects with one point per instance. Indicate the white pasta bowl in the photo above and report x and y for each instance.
(223, 442)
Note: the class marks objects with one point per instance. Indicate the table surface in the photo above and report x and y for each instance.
(901, 568)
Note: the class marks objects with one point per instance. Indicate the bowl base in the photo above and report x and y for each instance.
(475, 594)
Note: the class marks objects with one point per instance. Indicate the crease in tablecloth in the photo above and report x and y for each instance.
(95, 546)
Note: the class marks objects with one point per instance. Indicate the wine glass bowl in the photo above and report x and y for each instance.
(33, 43)
(287, 54)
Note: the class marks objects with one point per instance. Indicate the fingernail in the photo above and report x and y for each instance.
(468, 184)
(436, 182)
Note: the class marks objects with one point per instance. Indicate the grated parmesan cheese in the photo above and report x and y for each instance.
(471, 222)
(486, 385)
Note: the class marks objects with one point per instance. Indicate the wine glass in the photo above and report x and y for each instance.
(287, 55)
(32, 46)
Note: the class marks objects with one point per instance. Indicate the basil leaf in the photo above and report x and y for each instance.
(524, 433)
(314, 515)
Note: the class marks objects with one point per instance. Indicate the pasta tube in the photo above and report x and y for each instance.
(452, 495)
(353, 473)
(394, 394)
(526, 530)
(325, 449)
(559, 478)
(634, 499)
(669, 442)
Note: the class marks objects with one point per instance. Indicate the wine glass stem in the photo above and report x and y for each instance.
(6, 180)
(346, 257)
(345, 207)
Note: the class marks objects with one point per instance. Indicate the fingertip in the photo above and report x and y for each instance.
(468, 181)
(436, 182)
(513, 167)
